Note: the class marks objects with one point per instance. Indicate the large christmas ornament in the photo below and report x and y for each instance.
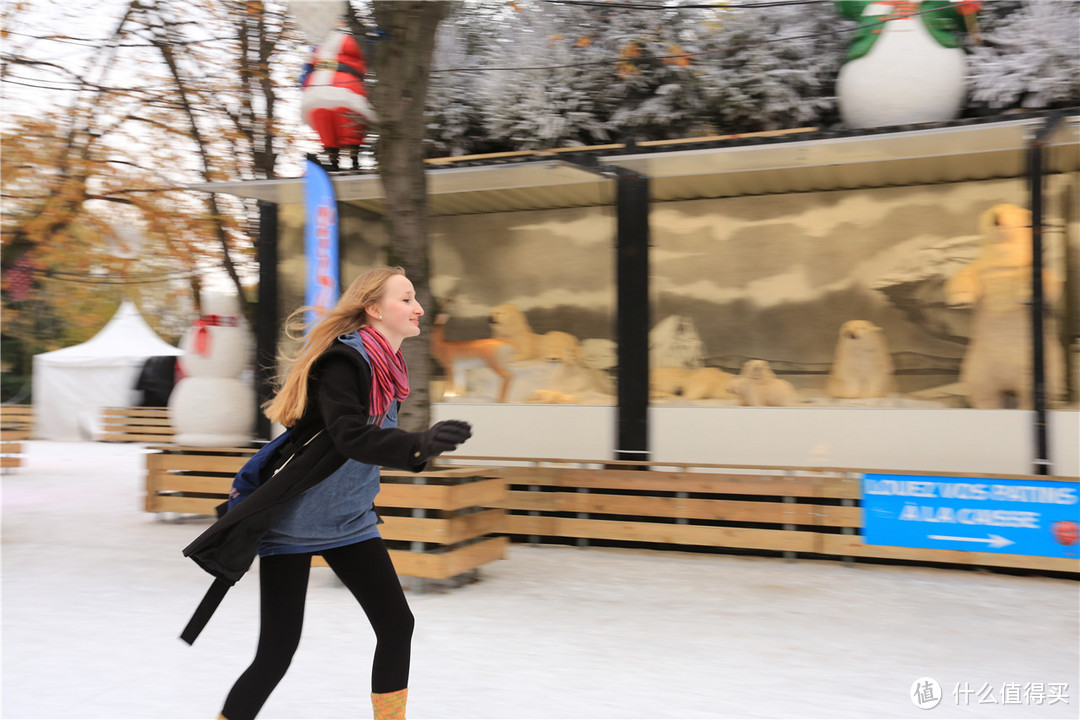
(334, 100)
(211, 406)
(906, 61)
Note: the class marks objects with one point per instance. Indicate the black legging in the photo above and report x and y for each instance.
(366, 570)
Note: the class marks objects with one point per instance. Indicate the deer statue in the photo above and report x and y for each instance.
(455, 355)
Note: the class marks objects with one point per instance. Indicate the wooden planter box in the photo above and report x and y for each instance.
(16, 424)
(438, 524)
(191, 480)
(136, 424)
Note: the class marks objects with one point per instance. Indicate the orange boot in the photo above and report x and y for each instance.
(390, 706)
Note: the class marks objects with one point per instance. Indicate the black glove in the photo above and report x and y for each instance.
(441, 437)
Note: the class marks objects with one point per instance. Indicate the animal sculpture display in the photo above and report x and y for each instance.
(758, 386)
(675, 342)
(572, 381)
(690, 384)
(509, 323)
(556, 346)
(862, 366)
(456, 355)
(996, 371)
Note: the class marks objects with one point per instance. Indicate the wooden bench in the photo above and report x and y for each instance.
(789, 511)
(135, 424)
(437, 524)
(16, 425)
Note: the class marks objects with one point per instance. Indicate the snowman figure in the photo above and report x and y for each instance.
(212, 406)
(906, 62)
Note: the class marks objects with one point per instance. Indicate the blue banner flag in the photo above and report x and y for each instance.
(320, 241)
(994, 515)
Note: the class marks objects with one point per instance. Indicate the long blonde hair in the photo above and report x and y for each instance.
(346, 316)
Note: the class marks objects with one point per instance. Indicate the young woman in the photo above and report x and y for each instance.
(346, 384)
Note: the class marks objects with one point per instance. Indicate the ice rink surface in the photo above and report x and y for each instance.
(95, 592)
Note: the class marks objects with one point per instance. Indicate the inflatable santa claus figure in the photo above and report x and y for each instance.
(334, 100)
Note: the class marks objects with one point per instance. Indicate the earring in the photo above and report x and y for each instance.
(380, 317)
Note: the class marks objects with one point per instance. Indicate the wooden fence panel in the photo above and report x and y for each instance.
(791, 510)
(658, 481)
(659, 533)
(191, 480)
(136, 424)
(685, 508)
(16, 426)
(483, 491)
(452, 515)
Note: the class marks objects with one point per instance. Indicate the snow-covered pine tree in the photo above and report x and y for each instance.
(554, 106)
(608, 74)
(651, 88)
(1028, 58)
(454, 114)
(771, 67)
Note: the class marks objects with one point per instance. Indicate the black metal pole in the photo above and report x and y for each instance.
(266, 314)
(632, 321)
(1038, 369)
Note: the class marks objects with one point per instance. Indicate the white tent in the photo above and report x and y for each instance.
(71, 385)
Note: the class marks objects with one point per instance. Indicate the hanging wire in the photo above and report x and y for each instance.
(91, 43)
(79, 84)
(133, 279)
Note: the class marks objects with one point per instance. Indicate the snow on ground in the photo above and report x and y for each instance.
(95, 592)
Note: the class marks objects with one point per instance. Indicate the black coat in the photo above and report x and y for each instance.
(334, 428)
(156, 380)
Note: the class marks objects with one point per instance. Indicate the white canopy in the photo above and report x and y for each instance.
(71, 385)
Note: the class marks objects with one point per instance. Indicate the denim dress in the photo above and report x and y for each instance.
(338, 511)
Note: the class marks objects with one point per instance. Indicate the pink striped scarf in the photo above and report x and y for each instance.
(389, 376)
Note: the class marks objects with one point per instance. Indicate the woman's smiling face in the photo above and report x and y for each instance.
(397, 314)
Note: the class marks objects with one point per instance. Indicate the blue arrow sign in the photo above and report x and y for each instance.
(1017, 517)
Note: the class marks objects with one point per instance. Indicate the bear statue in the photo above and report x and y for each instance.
(996, 370)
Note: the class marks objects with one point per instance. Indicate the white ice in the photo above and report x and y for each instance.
(95, 592)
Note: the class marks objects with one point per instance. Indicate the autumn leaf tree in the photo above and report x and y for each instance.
(175, 93)
(60, 179)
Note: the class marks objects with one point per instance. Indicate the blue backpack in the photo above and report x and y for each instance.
(254, 472)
